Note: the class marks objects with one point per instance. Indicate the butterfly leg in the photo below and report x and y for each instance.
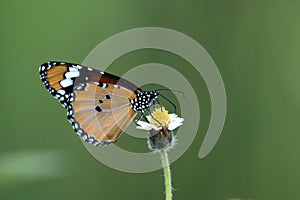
(145, 118)
(141, 116)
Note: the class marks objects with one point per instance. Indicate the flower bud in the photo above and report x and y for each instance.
(160, 139)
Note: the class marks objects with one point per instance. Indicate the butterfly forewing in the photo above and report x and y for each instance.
(98, 104)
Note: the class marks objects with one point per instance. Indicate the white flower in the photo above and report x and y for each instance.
(174, 123)
(160, 127)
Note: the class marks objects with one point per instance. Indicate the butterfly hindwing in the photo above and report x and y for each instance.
(101, 113)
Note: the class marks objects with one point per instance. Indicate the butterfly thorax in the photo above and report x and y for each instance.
(143, 100)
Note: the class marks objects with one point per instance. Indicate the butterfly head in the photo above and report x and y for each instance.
(143, 100)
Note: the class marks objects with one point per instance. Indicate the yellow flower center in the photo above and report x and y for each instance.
(160, 117)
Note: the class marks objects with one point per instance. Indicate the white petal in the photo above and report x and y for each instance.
(173, 116)
(146, 126)
(173, 126)
(175, 122)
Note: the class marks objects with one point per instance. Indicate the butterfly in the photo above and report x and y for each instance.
(100, 106)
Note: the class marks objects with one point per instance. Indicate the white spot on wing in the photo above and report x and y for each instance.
(104, 85)
(72, 74)
(66, 82)
(96, 83)
(77, 66)
(79, 88)
(72, 69)
(62, 92)
(84, 137)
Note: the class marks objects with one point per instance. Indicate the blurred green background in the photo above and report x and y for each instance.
(255, 45)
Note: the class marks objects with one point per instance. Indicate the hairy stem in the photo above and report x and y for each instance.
(167, 173)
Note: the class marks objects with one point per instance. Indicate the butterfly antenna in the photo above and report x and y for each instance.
(172, 90)
(159, 104)
(174, 106)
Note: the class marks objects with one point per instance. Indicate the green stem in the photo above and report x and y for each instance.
(167, 173)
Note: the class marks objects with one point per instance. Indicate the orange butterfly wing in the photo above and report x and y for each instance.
(103, 113)
(98, 104)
